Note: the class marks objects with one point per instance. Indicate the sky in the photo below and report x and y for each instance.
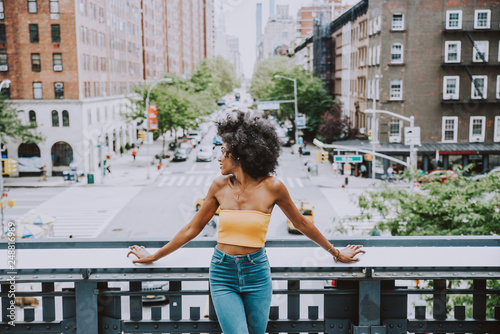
(240, 22)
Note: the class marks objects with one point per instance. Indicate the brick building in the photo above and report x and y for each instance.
(72, 64)
(436, 61)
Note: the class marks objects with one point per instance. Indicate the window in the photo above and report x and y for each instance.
(57, 61)
(378, 54)
(56, 33)
(32, 117)
(37, 90)
(3, 35)
(55, 118)
(36, 65)
(451, 87)
(397, 22)
(89, 116)
(482, 19)
(101, 15)
(103, 64)
(496, 131)
(54, 6)
(396, 90)
(453, 19)
(480, 51)
(479, 86)
(59, 90)
(498, 86)
(32, 6)
(449, 129)
(476, 132)
(4, 65)
(33, 33)
(452, 51)
(65, 117)
(395, 131)
(397, 53)
(377, 89)
(2, 13)
(83, 7)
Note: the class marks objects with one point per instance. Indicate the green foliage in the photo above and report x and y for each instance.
(127, 146)
(456, 207)
(216, 76)
(12, 127)
(312, 99)
(122, 149)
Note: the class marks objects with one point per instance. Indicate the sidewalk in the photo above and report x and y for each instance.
(124, 171)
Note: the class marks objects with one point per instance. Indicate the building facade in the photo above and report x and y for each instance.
(72, 65)
(279, 32)
(436, 61)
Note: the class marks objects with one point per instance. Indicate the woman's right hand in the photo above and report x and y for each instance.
(143, 256)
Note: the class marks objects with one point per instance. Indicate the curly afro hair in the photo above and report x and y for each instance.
(252, 141)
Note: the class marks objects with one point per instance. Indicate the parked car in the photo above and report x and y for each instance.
(200, 202)
(205, 153)
(217, 140)
(479, 176)
(438, 176)
(306, 209)
(153, 299)
(195, 137)
(181, 154)
(186, 143)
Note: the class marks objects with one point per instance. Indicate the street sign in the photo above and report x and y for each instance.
(153, 117)
(268, 105)
(348, 158)
(300, 122)
(412, 135)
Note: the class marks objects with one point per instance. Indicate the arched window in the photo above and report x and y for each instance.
(28, 151)
(32, 116)
(65, 117)
(62, 154)
(55, 118)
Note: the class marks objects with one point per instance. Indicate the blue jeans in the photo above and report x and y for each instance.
(241, 290)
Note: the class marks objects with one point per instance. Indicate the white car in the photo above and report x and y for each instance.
(205, 153)
(195, 137)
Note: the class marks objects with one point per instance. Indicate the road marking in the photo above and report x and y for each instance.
(181, 180)
(171, 181)
(198, 181)
(299, 182)
(190, 180)
(162, 182)
(290, 182)
(208, 180)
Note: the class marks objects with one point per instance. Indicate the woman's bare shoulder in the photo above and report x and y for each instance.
(221, 181)
(273, 183)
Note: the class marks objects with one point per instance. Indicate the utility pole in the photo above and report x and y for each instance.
(5, 82)
(295, 99)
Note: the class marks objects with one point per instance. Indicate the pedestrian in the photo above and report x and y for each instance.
(347, 172)
(390, 172)
(246, 192)
(43, 173)
(108, 168)
(335, 168)
(134, 153)
(362, 169)
(305, 143)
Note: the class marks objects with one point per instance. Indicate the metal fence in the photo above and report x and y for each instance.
(88, 286)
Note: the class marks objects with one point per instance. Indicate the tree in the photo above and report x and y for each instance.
(12, 127)
(312, 99)
(216, 76)
(333, 126)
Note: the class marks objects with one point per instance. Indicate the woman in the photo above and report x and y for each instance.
(240, 276)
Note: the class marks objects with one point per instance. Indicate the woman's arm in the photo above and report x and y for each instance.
(307, 228)
(187, 233)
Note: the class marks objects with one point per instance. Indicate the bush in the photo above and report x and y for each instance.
(122, 149)
(127, 146)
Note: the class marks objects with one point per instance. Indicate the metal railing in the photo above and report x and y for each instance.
(89, 286)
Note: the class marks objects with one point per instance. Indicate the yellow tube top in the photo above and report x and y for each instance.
(246, 228)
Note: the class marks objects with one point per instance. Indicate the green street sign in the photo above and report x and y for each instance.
(348, 158)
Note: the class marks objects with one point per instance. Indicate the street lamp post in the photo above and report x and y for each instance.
(147, 118)
(295, 99)
(5, 82)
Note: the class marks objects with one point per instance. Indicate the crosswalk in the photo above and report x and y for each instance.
(205, 179)
(83, 212)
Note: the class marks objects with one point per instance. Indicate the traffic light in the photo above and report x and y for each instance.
(324, 156)
(9, 166)
(368, 157)
(370, 135)
(142, 136)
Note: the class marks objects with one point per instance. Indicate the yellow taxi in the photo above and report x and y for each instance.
(306, 209)
(199, 203)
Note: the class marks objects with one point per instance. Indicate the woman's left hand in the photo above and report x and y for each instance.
(347, 255)
(142, 254)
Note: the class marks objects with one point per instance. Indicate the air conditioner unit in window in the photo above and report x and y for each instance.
(4, 68)
(56, 45)
(394, 139)
(57, 68)
(362, 131)
(476, 139)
